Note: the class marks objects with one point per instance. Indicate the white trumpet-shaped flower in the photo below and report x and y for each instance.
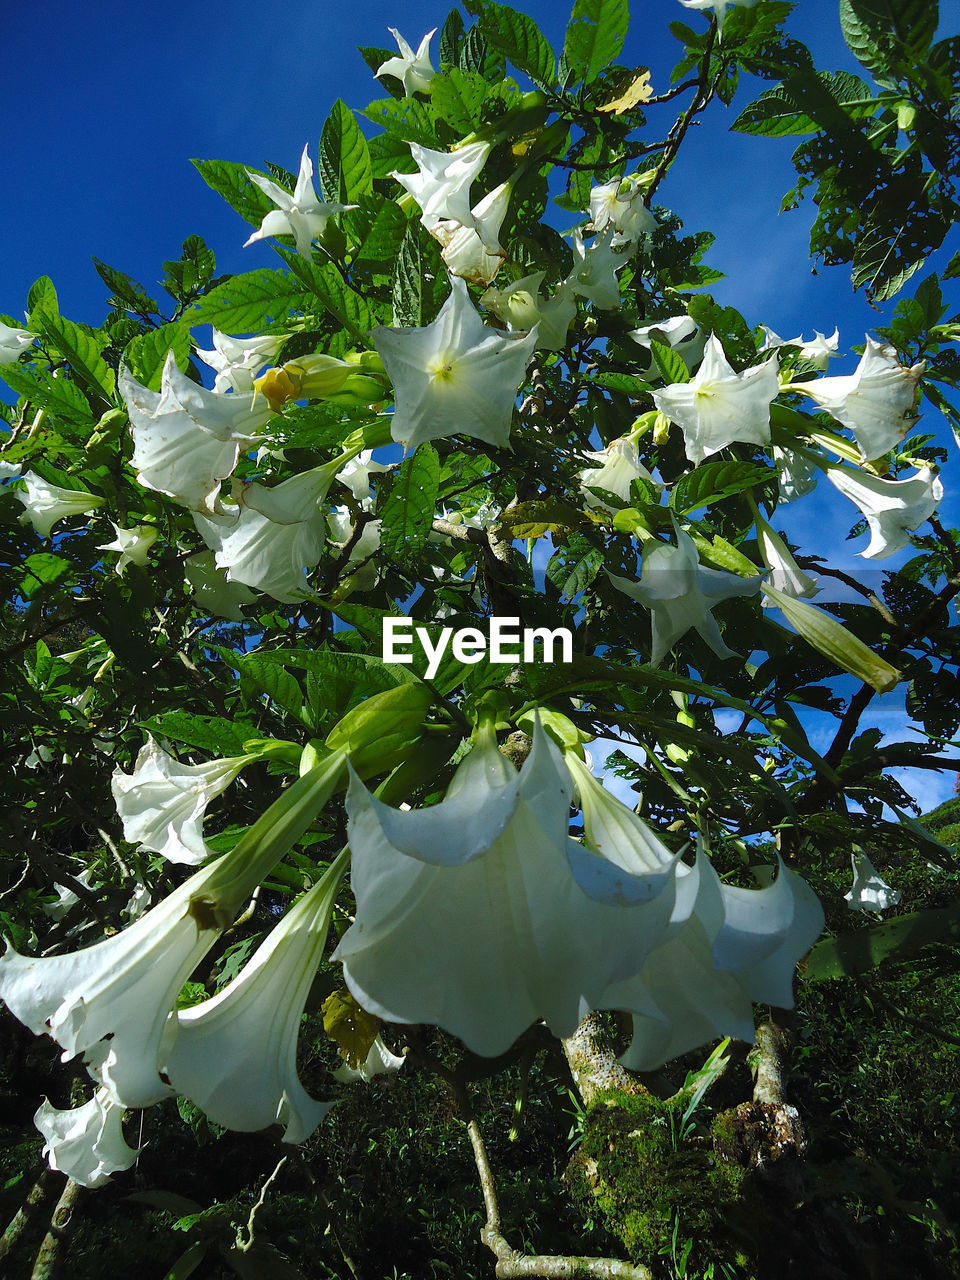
(680, 333)
(719, 7)
(186, 440)
(891, 507)
(620, 204)
(869, 891)
(380, 1061)
(798, 474)
(713, 950)
(162, 803)
(214, 593)
(455, 376)
(521, 306)
(619, 466)
(238, 361)
(720, 407)
(412, 69)
(594, 274)
(785, 574)
(818, 351)
(273, 536)
(481, 915)
(736, 948)
(45, 503)
(300, 214)
(441, 187)
(86, 1143)
(13, 342)
(235, 1055)
(356, 474)
(133, 544)
(111, 1001)
(876, 402)
(474, 251)
(680, 593)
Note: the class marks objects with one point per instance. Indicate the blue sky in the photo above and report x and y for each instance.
(104, 115)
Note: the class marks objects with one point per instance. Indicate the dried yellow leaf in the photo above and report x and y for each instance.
(350, 1027)
(638, 90)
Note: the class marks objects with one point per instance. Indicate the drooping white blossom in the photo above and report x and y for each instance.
(215, 595)
(66, 898)
(86, 1142)
(441, 187)
(111, 1001)
(45, 503)
(680, 333)
(719, 7)
(481, 915)
(892, 508)
(163, 802)
(474, 252)
(238, 361)
(13, 342)
(594, 274)
(300, 214)
(719, 407)
(380, 1061)
(713, 950)
(798, 474)
(357, 472)
(521, 306)
(818, 351)
(272, 537)
(785, 574)
(619, 466)
(414, 70)
(456, 376)
(680, 593)
(133, 544)
(869, 891)
(620, 204)
(876, 402)
(235, 1055)
(186, 440)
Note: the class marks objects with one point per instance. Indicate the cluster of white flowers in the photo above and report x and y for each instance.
(480, 915)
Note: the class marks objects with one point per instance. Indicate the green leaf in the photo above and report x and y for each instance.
(457, 97)
(595, 36)
(407, 288)
(232, 181)
(283, 689)
(145, 354)
(627, 383)
(672, 366)
(803, 104)
(888, 35)
(185, 278)
(408, 512)
(346, 305)
(383, 236)
(712, 482)
(81, 349)
(58, 396)
(252, 302)
(127, 290)
(42, 571)
(518, 38)
(41, 296)
(407, 119)
(860, 950)
(215, 734)
(344, 160)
